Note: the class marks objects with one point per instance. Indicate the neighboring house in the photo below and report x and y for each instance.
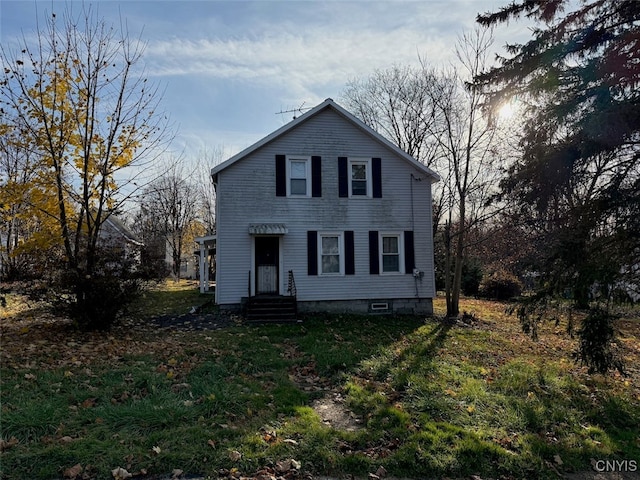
(188, 260)
(115, 234)
(326, 208)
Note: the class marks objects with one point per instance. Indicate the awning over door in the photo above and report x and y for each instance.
(268, 229)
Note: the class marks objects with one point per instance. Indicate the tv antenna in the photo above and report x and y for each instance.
(300, 110)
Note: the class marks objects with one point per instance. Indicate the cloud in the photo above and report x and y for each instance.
(313, 56)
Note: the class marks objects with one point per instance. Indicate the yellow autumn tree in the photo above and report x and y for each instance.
(30, 239)
(91, 122)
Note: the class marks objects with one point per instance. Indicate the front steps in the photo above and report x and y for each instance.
(271, 309)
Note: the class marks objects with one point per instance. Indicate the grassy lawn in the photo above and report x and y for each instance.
(419, 397)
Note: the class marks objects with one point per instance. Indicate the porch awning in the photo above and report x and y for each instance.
(268, 229)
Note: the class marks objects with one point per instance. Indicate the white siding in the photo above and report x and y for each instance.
(246, 194)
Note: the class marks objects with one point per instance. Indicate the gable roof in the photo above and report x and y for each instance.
(328, 103)
(117, 226)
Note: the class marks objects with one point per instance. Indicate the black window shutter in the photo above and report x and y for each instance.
(312, 253)
(343, 180)
(376, 177)
(281, 176)
(409, 257)
(374, 262)
(349, 254)
(316, 177)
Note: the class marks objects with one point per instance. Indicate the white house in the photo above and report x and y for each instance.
(115, 234)
(329, 210)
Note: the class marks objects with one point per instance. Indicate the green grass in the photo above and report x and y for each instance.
(434, 400)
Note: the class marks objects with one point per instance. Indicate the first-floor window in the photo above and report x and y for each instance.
(330, 254)
(391, 253)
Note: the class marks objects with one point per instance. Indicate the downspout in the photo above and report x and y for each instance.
(413, 224)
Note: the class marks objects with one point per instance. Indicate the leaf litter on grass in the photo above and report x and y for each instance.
(485, 363)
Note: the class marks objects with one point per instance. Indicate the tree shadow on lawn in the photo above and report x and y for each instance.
(431, 404)
(252, 389)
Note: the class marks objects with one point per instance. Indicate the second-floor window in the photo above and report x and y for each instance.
(360, 181)
(298, 176)
(359, 177)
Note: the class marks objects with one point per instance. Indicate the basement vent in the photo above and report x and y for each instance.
(379, 306)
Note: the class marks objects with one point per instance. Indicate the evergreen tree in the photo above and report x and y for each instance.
(578, 181)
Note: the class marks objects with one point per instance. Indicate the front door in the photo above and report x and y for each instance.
(267, 260)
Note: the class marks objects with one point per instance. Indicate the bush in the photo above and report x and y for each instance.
(500, 285)
(94, 301)
(100, 299)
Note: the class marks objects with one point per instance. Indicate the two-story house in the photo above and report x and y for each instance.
(330, 209)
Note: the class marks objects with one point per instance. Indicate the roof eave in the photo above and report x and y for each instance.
(328, 103)
(269, 138)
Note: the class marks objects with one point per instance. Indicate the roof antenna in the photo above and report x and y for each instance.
(300, 110)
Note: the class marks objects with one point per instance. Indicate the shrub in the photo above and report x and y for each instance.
(500, 285)
(100, 299)
(94, 301)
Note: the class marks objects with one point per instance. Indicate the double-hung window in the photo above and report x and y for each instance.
(390, 253)
(360, 178)
(331, 256)
(330, 253)
(298, 177)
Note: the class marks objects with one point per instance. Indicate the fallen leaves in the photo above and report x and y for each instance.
(89, 403)
(284, 466)
(73, 472)
(381, 472)
(287, 469)
(7, 444)
(41, 341)
(120, 473)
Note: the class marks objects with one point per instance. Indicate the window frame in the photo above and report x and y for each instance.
(341, 254)
(368, 176)
(401, 265)
(307, 161)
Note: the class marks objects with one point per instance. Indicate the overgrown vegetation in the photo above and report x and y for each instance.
(575, 187)
(432, 398)
(80, 125)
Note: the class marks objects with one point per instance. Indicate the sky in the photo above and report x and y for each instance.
(228, 68)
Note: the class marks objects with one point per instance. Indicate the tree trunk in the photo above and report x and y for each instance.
(447, 265)
(457, 276)
(453, 306)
